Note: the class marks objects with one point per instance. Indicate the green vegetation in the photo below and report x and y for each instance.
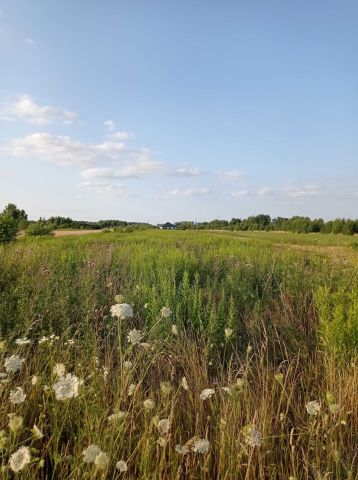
(262, 326)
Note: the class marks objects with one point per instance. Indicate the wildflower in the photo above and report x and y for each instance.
(249, 349)
(162, 441)
(175, 330)
(313, 408)
(252, 436)
(101, 461)
(13, 364)
(20, 459)
(119, 298)
(34, 380)
(149, 404)
(127, 365)
(90, 453)
(201, 445)
(37, 432)
(4, 440)
(165, 312)
(122, 311)
(15, 422)
(207, 393)
(131, 389)
(122, 466)
(145, 345)
(66, 387)
(181, 449)
(165, 388)
(70, 341)
(22, 341)
(228, 332)
(43, 339)
(17, 396)
(163, 426)
(184, 383)
(282, 417)
(116, 417)
(105, 372)
(334, 407)
(59, 370)
(134, 336)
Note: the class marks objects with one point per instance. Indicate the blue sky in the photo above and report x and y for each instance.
(168, 110)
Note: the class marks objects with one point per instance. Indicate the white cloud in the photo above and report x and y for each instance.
(104, 188)
(230, 174)
(186, 172)
(305, 191)
(30, 41)
(190, 192)
(264, 191)
(110, 125)
(115, 134)
(25, 108)
(240, 193)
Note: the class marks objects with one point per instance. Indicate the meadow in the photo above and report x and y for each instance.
(179, 355)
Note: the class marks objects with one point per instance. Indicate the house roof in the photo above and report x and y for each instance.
(168, 224)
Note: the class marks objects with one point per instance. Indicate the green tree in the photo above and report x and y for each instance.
(8, 228)
(20, 216)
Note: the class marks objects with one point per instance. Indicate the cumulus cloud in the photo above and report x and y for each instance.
(105, 189)
(115, 134)
(190, 192)
(25, 108)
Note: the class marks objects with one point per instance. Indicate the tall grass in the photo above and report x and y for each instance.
(285, 308)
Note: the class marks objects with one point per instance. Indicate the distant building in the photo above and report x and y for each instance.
(167, 226)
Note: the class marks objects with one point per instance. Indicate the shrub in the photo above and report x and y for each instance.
(38, 230)
(8, 228)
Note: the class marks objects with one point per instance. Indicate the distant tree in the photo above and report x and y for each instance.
(8, 228)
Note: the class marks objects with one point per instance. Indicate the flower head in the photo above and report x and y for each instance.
(66, 387)
(252, 436)
(134, 336)
(175, 330)
(101, 461)
(131, 389)
(163, 426)
(165, 312)
(122, 311)
(122, 466)
(13, 364)
(313, 407)
(149, 404)
(20, 459)
(207, 393)
(228, 332)
(37, 432)
(201, 445)
(15, 422)
(59, 370)
(17, 396)
(90, 453)
(184, 383)
(22, 341)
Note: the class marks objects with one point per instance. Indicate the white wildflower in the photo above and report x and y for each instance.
(20, 459)
(313, 407)
(101, 461)
(165, 388)
(334, 407)
(228, 332)
(90, 453)
(59, 370)
(184, 383)
(252, 436)
(145, 345)
(122, 466)
(165, 312)
(34, 380)
(207, 393)
(122, 311)
(134, 336)
(131, 389)
(116, 417)
(127, 365)
(175, 330)
(13, 364)
(17, 396)
(201, 445)
(23, 341)
(163, 426)
(15, 422)
(149, 404)
(181, 449)
(66, 387)
(162, 441)
(43, 339)
(37, 433)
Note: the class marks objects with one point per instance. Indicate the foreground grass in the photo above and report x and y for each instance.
(280, 354)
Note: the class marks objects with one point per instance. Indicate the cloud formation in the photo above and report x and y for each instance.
(26, 109)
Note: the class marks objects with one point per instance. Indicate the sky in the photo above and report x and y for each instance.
(168, 110)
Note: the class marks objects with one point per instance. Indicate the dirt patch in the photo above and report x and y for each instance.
(70, 233)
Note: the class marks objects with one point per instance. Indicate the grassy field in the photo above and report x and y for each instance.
(250, 372)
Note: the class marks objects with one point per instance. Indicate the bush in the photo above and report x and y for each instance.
(8, 229)
(38, 230)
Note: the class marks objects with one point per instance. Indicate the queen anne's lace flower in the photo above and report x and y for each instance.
(15, 422)
(175, 330)
(252, 436)
(17, 396)
(165, 312)
(149, 404)
(122, 466)
(134, 336)
(59, 369)
(207, 393)
(228, 332)
(13, 364)
(131, 389)
(66, 387)
(37, 433)
(313, 408)
(122, 311)
(181, 449)
(23, 341)
(201, 445)
(90, 453)
(20, 459)
(163, 426)
(184, 383)
(101, 461)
